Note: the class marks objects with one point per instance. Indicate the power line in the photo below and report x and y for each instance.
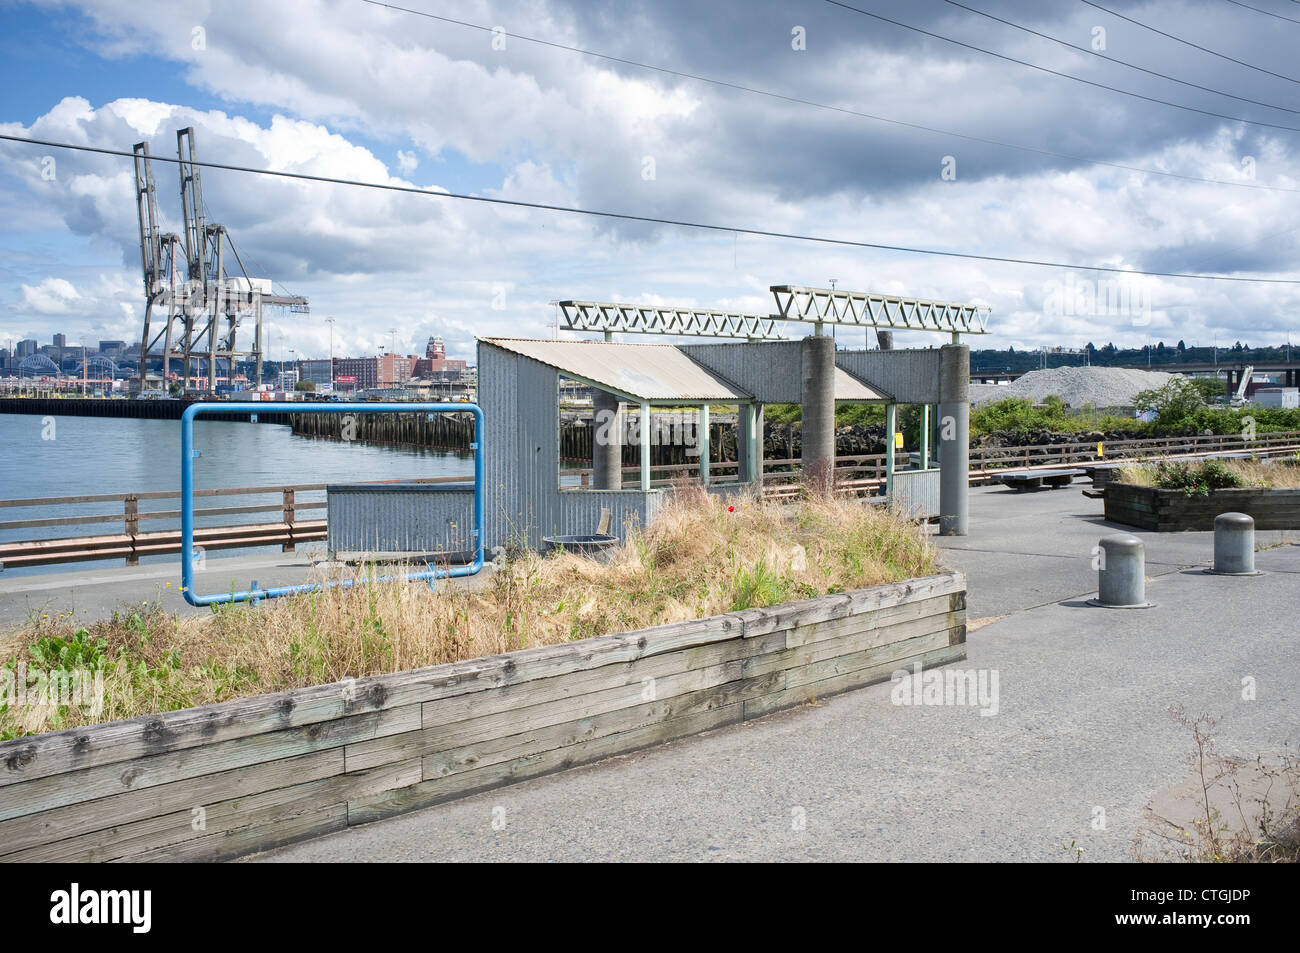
(1113, 59)
(1195, 46)
(1044, 69)
(1266, 13)
(838, 109)
(650, 219)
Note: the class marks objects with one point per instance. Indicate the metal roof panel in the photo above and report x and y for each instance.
(643, 371)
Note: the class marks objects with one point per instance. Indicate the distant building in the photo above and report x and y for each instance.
(1283, 397)
(27, 348)
(318, 372)
(435, 364)
(112, 348)
(288, 379)
(390, 370)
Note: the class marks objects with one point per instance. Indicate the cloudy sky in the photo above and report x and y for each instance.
(348, 89)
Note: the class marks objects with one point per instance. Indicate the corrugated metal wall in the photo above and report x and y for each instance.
(521, 460)
(772, 371)
(397, 518)
(910, 376)
(916, 492)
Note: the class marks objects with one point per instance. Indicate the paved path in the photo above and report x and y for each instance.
(94, 593)
(1081, 724)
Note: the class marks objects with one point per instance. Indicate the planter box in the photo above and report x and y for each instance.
(1151, 508)
(224, 780)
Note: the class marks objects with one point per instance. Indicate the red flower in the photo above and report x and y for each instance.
(731, 509)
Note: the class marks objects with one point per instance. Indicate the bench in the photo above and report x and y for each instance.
(1037, 479)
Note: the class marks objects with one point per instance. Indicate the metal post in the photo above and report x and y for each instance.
(644, 437)
(1121, 573)
(1234, 545)
(891, 424)
(702, 443)
(954, 438)
(925, 436)
(747, 452)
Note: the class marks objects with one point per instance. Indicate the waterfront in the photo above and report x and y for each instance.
(70, 456)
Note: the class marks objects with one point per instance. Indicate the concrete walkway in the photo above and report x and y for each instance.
(91, 594)
(1081, 726)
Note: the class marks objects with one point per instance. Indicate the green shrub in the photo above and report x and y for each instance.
(1195, 479)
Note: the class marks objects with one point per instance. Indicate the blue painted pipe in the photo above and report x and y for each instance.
(187, 493)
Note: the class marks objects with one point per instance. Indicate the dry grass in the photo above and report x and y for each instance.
(699, 558)
(1282, 473)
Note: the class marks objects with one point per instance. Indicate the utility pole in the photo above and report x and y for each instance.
(330, 322)
(83, 367)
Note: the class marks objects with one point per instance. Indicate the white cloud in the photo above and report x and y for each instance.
(558, 129)
(51, 296)
(407, 162)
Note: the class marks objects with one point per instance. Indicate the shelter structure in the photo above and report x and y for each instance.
(648, 393)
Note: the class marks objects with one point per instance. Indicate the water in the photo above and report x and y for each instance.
(89, 455)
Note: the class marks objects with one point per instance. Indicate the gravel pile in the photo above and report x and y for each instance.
(1099, 386)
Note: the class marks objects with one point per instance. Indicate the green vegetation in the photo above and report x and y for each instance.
(846, 415)
(1021, 416)
(1200, 478)
(305, 386)
(1182, 405)
(1195, 479)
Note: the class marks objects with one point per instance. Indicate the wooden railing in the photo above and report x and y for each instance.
(858, 474)
(133, 542)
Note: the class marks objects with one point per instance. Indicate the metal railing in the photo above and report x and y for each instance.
(855, 474)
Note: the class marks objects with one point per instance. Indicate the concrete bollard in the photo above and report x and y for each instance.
(1234, 545)
(1121, 575)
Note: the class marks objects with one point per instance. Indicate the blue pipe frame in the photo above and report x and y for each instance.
(188, 454)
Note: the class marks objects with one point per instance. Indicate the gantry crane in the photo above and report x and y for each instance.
(204, 303)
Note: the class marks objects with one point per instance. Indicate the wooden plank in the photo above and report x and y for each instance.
(881, 619)
(86, 816)
(513, 698)
(498, 750)
(511, 721)
(127, 840)
(850, 644)
(891, 654)
(824, 608)
(806, 691)
(247, 840)
(434, 791)
(102, 781)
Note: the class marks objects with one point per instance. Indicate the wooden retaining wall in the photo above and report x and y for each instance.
(223, 780)
(1151, 508)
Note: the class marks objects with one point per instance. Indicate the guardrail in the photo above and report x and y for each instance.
(855, 474)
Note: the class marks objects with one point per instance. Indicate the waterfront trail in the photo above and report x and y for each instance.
(1081, 726)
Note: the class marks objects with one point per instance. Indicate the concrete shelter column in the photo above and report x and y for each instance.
(954, 438)
(818, 457)
(702, 443)
(606, 442)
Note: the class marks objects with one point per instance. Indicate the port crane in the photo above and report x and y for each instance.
(194, 300)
